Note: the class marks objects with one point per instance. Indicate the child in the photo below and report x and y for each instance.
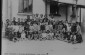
(14, 21)
(79, 38)
(68, 37)
(23, 35)
(31, 28)
(36, 35)
(78, 29)
(48, 35)
(56, 34)
(18, 21)
(15, 37)
(69, 28)
(22, 21)
(51, 35)
(50, 27)
(44, 35)
(38, 27)
(42, 27)
(18, 35)
(35, 27)
(47, 27)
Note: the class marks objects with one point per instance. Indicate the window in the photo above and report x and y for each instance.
(54, 8)
(25, 6)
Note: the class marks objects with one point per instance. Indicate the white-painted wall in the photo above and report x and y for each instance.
(38, 7)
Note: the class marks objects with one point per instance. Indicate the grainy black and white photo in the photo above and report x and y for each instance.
(43, 27)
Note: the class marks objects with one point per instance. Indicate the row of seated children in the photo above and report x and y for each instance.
(57, 30)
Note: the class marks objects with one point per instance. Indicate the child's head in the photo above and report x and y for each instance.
(41, 15)
(37, 15)
(7, 20)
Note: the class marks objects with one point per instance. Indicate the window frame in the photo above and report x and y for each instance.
(25, 13)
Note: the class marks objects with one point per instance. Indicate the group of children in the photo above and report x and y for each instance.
(43, 29)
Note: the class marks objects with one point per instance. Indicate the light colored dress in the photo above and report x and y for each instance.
(44, 35)
(23, 35)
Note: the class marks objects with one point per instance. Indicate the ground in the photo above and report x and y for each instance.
(53, 47)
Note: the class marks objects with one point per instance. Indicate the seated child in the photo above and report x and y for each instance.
(36, 35)
(51, 35)
(19, 34)
(15, 37)
(23, 35)
(79, 38)
(48, 35)
(44, 35)
(56, 34)
(21, 28)
(31, 28)
(14, 21)
(68, 36)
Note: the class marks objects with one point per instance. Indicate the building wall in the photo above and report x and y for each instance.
(38, 7)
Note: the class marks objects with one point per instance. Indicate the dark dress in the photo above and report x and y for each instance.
(42, 27)
(73, 29)
(14, 22)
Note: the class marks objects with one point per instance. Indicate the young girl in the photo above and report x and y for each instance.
(15, 37)
(51, 35)
(56, 34)
(23, 35)
(44, 35)
(50, 27)
(47, 27)
(42, 27)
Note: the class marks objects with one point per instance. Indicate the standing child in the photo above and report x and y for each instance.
(14, 21)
